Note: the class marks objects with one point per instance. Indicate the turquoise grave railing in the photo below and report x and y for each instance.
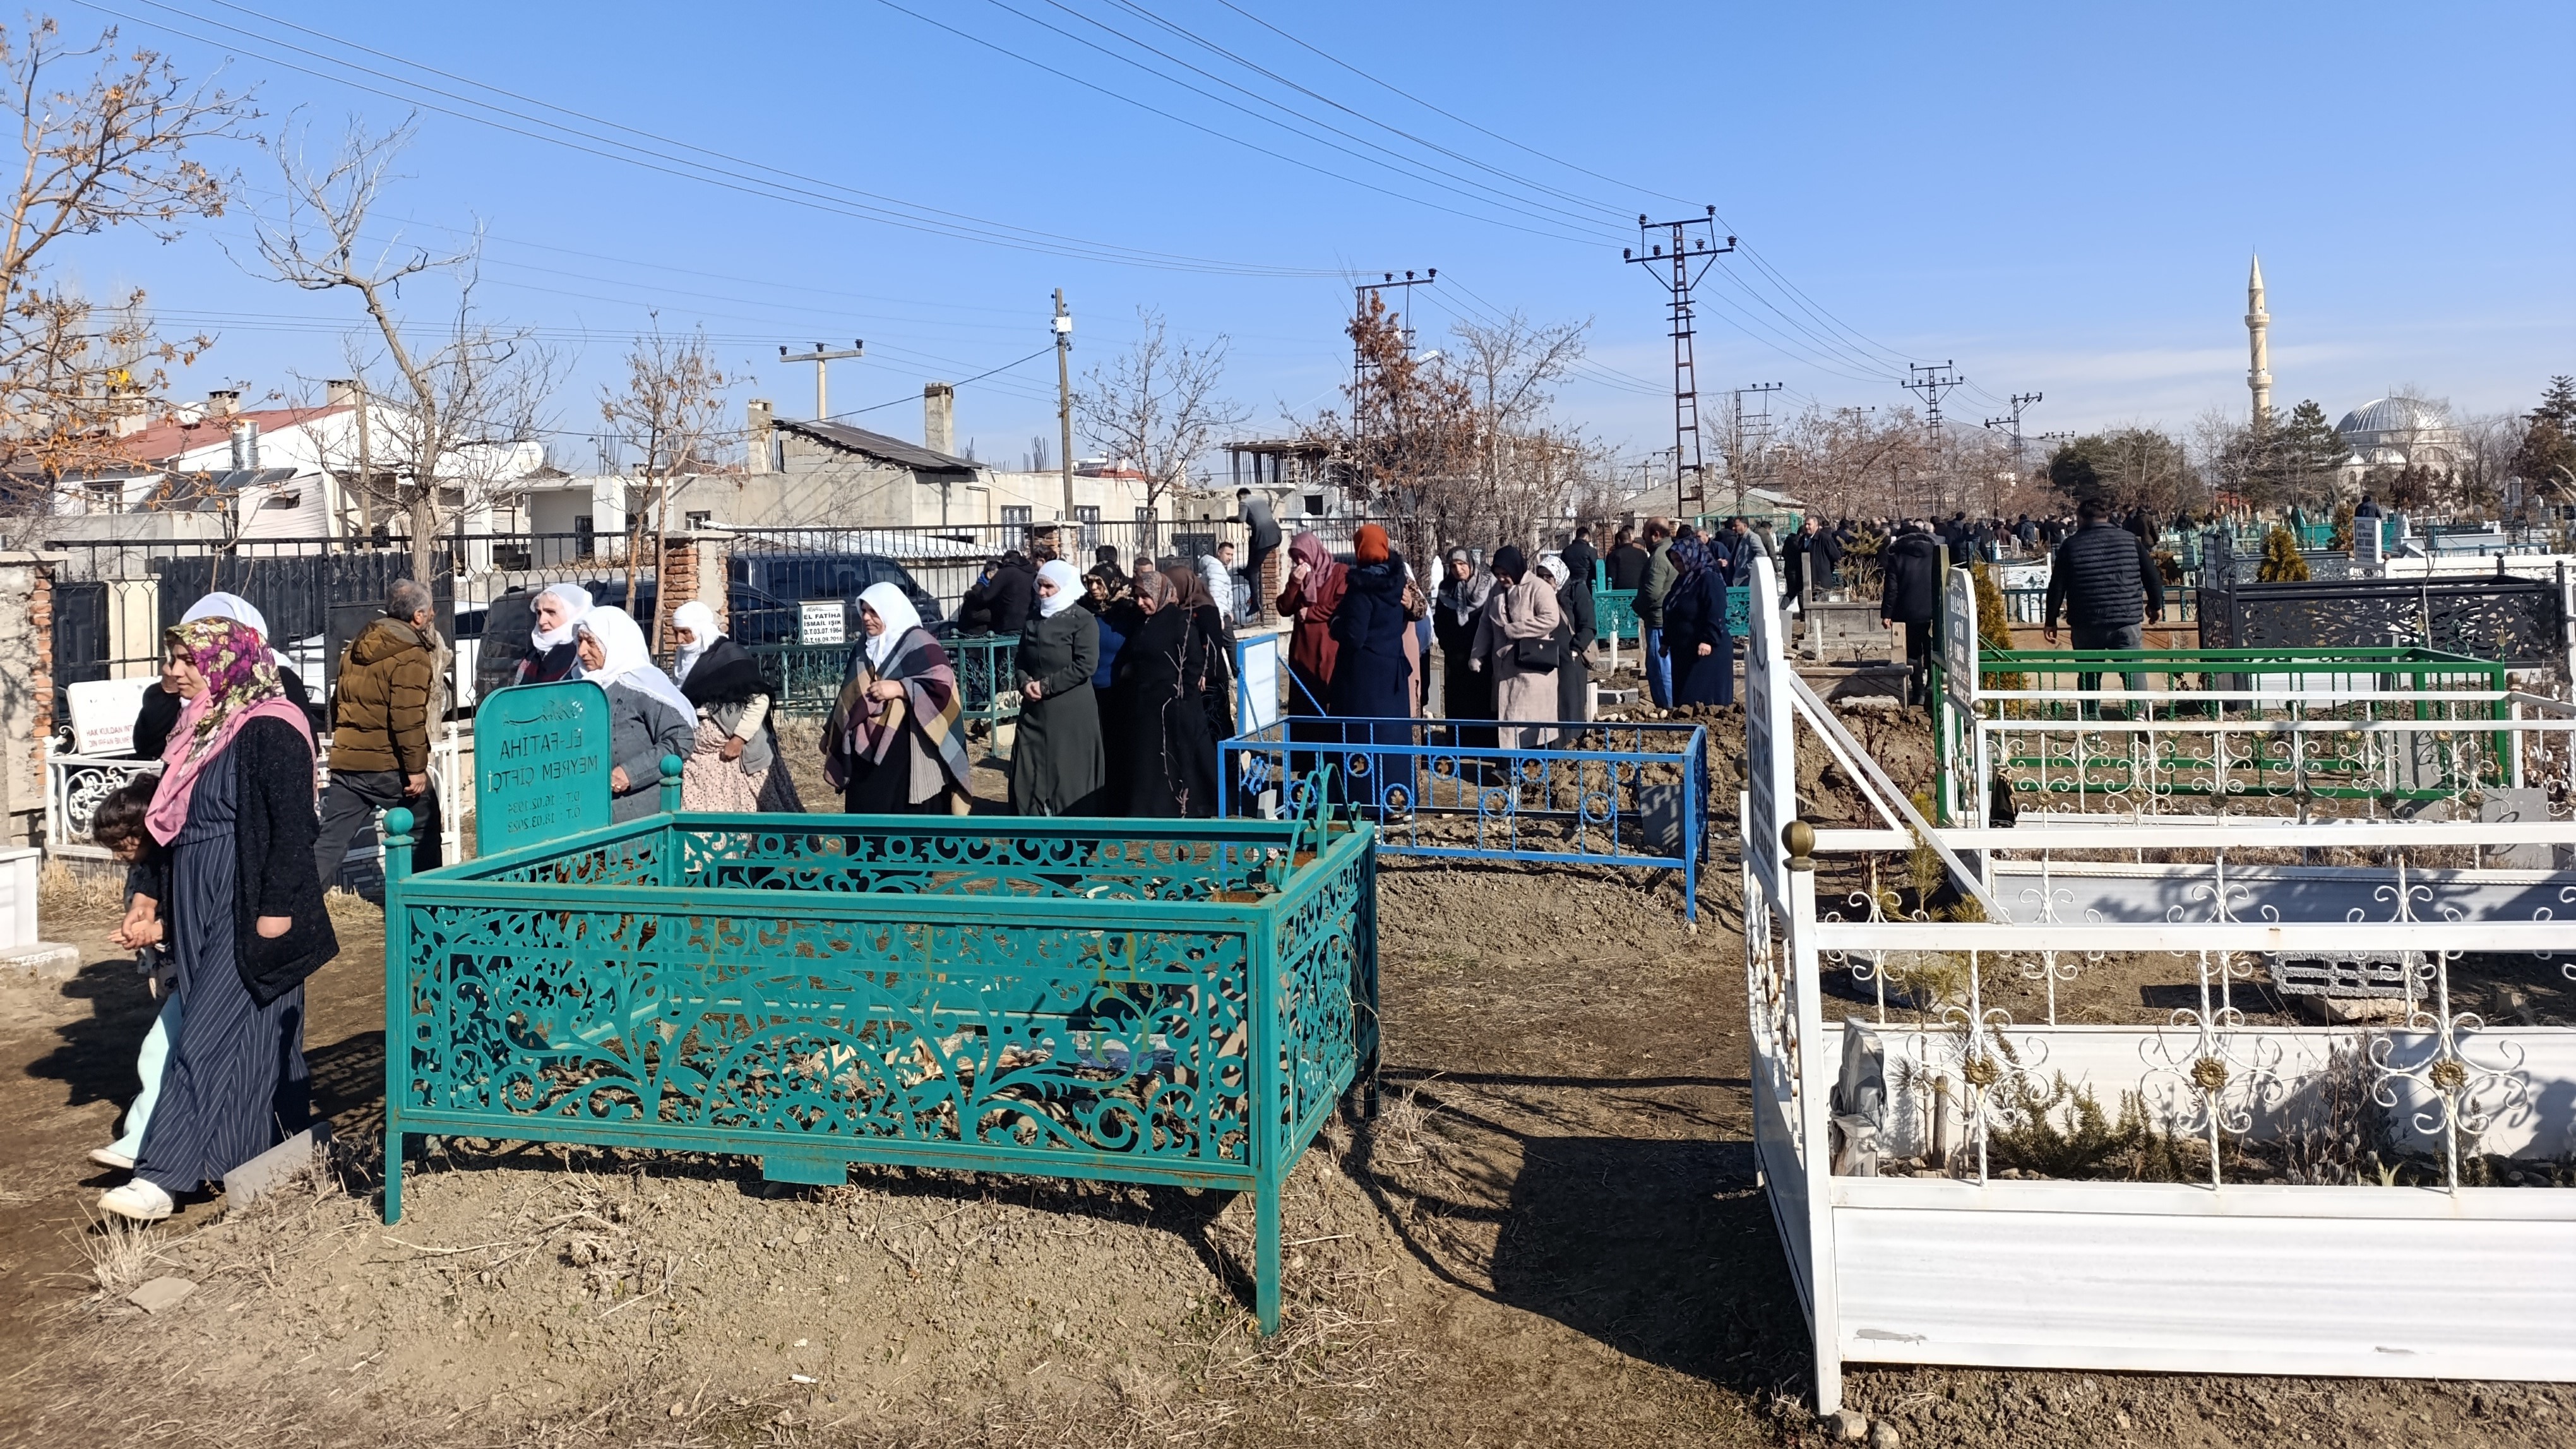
(1177, 1003)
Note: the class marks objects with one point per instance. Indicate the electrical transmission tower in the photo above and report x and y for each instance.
(1932, 384)
(1364, 368)
(1748, 438)
(1678, 262)
(2020, 400)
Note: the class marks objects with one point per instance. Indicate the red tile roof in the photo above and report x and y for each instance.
(163, 441)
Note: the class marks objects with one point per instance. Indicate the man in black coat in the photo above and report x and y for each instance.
(1264, 541)
(1001, 600)
(1579, 557)
(1627, 562)
(1911, 596)
(2106, 582)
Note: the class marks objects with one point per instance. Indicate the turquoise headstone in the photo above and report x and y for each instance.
(540, 765)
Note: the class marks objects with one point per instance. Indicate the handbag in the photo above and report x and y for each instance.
(1537, 656)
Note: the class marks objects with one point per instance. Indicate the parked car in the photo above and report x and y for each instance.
(788, 580)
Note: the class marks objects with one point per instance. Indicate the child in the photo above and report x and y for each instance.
(118, 825)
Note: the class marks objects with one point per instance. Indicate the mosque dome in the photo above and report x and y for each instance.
(2380, 417)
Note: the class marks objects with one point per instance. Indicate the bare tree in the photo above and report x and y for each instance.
(459, 419)
(1157, 408)
(1510, 369)
(112, 147)
(668, 412)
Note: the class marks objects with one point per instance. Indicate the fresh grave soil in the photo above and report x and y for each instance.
(1549, 1234)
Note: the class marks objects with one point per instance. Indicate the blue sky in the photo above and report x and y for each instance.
(2059, 198)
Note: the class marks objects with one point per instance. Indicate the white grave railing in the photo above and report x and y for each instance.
(1943, 1260)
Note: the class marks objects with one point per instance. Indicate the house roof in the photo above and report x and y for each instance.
(166, 440)
(878, 445)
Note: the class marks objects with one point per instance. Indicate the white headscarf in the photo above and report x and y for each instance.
(576, 600)
(700, 621)
(629, 661)
(221, 605)
(1068, 588)
(1556, 571)
(900, 618)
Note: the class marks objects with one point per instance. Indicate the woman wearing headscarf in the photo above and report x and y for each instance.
(1465, 693)
(160, 711)
(1516, 647)
(1105, 572)
(893, 745)
(1191, 595)
(1057, 767)
(1371, 678)
(1161, 762)
(648, 716)
(732, 764)
(1695, 632)
(235, 807)
(1314, 591)
(1575, 635)
(554, 645)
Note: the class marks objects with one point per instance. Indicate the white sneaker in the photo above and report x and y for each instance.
(110, 1157)
(140, 1200)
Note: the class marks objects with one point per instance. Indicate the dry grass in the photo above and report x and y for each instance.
(121, 1253)
(90, 891)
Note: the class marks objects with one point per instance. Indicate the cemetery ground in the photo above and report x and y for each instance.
(1550, 1234)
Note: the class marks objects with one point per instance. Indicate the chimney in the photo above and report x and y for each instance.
(340, 392)
(757, 415)
(223, 402)
(245, 446)
(939, 417)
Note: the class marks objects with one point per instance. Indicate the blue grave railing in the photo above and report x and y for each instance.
(1599, 794)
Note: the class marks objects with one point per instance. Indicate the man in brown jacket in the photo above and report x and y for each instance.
(382, 712)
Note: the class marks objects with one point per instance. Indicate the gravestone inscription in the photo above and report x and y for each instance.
(541, 765)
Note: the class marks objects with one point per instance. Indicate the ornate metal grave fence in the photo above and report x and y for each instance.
(1603, 794)
(805, 679)
(1068, 998)
(1883, 1147)
(2303, 733)
(2523, 622)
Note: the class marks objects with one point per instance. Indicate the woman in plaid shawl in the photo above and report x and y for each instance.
(892, 745)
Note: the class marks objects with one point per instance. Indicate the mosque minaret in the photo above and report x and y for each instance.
(2257, 324)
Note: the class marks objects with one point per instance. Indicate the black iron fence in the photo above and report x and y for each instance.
(2523, 622)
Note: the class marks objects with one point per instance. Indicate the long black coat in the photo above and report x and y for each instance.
(1161, 762)
(1574, 677)
(1371, 675)
(1057, 764)
(274, 827)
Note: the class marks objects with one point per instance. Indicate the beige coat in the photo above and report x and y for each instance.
(1526, 610)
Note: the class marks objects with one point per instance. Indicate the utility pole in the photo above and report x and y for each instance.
(820, 356)
(1362, 368)
(1932, 384)
(1736, 432)
(1064, 395)
(1692, 254)
(366, 479)
(2020, 400)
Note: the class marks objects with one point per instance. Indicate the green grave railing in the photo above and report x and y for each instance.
(805, 679)
(1177, 1002)
(2154, 730)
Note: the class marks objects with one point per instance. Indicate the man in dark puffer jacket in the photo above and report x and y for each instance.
(2108, 585)
(380, 731)
(1911, 595)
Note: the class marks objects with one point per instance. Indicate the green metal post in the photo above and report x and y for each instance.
(668, 846)
(398, 842)
(1270, 1030)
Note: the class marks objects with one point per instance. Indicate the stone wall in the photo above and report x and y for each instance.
(26, 691)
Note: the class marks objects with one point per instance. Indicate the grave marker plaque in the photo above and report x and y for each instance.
(541, 765)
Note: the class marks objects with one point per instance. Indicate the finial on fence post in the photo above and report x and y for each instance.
(1800, 838)
(398, 843)
(671, 767)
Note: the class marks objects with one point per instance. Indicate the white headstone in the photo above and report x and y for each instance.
(103, 713)
(822, 621)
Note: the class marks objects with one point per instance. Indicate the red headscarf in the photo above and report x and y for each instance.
(1369, 544)
(241, 686)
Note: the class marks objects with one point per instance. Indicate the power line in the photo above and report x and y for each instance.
(732, 174)
(1692, 256)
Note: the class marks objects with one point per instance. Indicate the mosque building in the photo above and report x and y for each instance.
(2384, 433)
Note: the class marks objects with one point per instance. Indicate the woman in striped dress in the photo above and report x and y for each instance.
(247, 926)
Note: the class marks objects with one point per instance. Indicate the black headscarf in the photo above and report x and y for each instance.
(1510, 564)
